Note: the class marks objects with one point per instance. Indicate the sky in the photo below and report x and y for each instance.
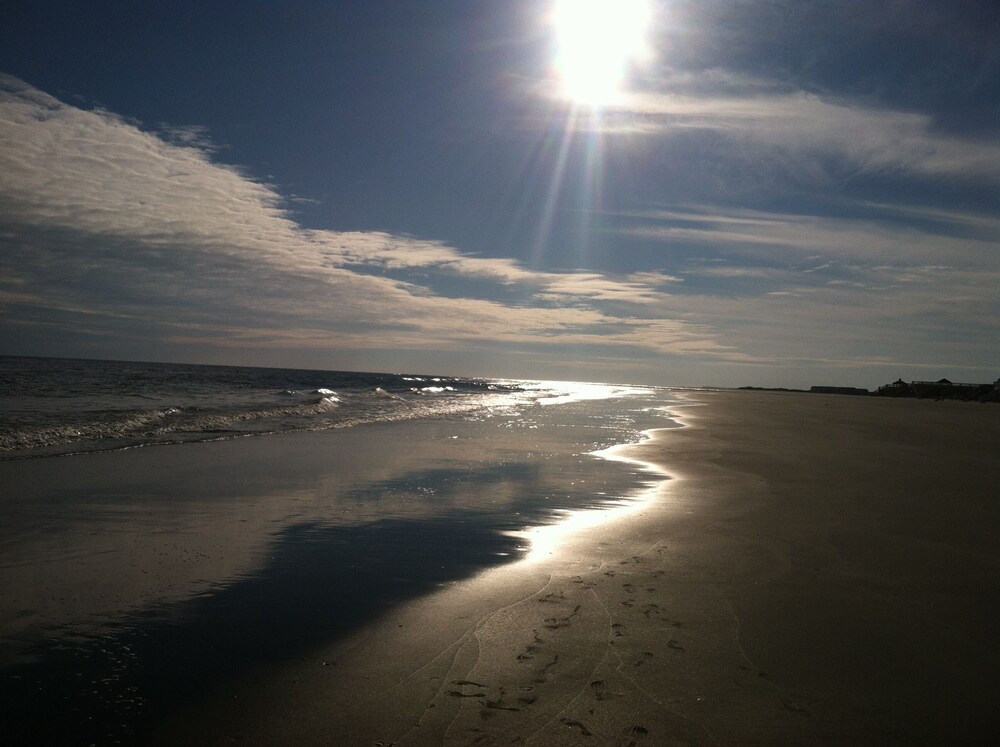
(676, 192)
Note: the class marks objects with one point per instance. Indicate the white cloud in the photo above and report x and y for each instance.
(755, 234)
(598, 287)
(730, 272)
(105, 219)
(797, 125)
(808, 287)
(654, 278)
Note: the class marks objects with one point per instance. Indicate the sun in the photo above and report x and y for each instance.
(597, 41)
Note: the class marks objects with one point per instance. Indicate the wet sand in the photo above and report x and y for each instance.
(820, 570)
(136, 583)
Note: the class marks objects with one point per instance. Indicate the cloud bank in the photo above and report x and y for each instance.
(113, 229)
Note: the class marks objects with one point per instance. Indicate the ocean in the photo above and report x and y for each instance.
(52, 406)
(166, 528)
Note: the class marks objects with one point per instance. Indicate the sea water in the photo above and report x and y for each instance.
(53, 406)
(180, 525)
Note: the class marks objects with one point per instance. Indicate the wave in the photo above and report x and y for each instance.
(112, 427)
(118, 426)
(57, 407)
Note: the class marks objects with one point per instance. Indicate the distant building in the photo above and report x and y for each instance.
(898, 388)
(942, 389)
(941, 382)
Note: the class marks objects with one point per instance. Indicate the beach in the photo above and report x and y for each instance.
(785, 569)
(819, 570)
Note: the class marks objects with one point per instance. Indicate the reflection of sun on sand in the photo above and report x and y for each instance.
(545, 541)
(821, 570)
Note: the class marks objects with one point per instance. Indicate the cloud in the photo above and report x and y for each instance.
(654, 278)
(873, 139)
(886, 282)
(778, 118)
(598, 287)
(730, 272)
(965, 238)
(103, 220)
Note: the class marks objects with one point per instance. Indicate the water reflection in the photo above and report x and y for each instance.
(135, 580)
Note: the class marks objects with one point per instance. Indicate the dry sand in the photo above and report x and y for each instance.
(820, 569)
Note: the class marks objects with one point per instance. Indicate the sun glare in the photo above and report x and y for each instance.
(597, 42)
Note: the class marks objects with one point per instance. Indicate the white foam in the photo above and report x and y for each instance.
(563, 392)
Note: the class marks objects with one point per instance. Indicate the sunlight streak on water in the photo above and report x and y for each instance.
(545, 540)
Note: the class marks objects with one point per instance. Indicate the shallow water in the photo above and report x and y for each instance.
(133, 581)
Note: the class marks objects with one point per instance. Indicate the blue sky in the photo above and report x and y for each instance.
(777, 193)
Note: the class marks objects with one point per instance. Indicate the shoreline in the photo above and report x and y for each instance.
(818, 569)
(135, 583)
(813, 569)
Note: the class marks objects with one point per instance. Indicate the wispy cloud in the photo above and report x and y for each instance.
(872, 138)
(104, 219)
(779, 287)
(968, 238)
(783, 122)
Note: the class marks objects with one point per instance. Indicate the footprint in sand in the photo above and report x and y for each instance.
(629, 588)
(531, 649)
(480, 738)
(554, 623)
(652, 609)
(642, 658)
(617, 630)
(600, 689)
(578, 725)
(463, 693)
(499, 704)
(635, 734)
(542, 675)
(675, 644)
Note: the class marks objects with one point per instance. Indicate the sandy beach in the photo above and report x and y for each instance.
(787, 569)
(819, 570)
